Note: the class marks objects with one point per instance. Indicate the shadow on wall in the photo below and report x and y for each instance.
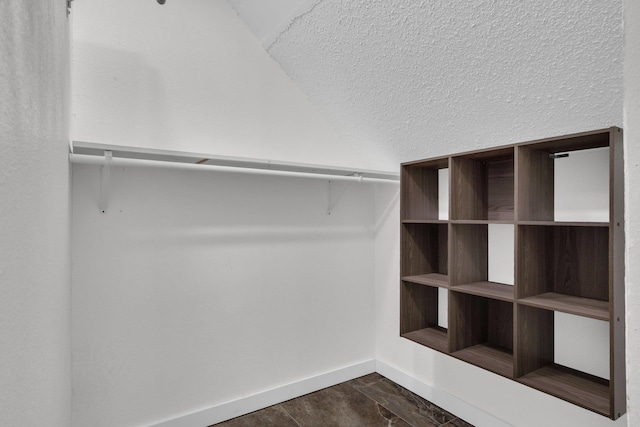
(117, 97)
(158, 207)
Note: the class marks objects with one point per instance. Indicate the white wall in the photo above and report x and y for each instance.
(35, 357)
(190, 76)
(632, 184)
(198, 288)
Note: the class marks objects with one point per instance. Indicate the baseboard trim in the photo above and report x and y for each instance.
(235, 408)
(446, 401)
(245, 405)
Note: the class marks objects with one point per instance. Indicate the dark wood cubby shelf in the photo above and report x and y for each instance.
(579, 306)
(574, 267)
(493, 290)
(495, 359)
(566, 224)
(424, 221)
(434, 337)
(573, 386)
(432, 279)
(481, 221)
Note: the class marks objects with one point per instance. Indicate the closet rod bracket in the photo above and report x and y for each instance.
(105, 178)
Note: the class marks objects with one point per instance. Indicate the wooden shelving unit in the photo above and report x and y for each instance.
(574, 267)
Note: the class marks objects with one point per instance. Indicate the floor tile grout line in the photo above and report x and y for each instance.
(414, 395)
(451, 421)
(289, 415)
(377, 403)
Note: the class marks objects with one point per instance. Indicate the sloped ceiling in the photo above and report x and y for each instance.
(423, 78)
(267, 19)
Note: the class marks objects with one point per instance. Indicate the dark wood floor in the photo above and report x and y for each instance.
(369, 401)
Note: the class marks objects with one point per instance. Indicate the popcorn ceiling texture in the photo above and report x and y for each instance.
(420, 78)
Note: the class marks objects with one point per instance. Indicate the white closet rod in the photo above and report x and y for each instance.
(122, 161)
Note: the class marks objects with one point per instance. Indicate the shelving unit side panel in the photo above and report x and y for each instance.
(616, 281)
(500, 323)
(443, 248)
(581, 261)
(534, 339)
(535, 185)
(469, 257)
(418, 307)
(500, 194)
(419, 194)
(468, 189)
(533, 272)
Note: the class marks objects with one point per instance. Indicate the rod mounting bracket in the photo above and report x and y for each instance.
(105, 178)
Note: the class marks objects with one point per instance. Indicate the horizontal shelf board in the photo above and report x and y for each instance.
(491, 358)
(127, 152)
(433, 163)
(424, 221)
(573, 142)
(586, 307)
(494, 154)
(434, 337)
(564, 223)
(432, 279)
(576, 387)
(482, 221)
(492, 290)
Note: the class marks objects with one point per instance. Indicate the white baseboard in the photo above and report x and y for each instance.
(245, 405)
(235, 408)
(446, 401)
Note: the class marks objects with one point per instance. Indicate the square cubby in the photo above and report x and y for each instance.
(425, 190)
(482, 260)
(425, 253)
(544, 338)
(565, 181)
(564, 268)
(481, 331)
(422, 308)
(482, 186)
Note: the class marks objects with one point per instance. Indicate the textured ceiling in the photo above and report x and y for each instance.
(267, 19)
(422, 78)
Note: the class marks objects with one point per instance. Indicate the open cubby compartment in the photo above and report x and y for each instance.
(470, 253)
(564, 268)
(421, 188)
(565, 179)
(482, 185)
(419, 316)
(535, 364)
(425, 253)
(481, 332)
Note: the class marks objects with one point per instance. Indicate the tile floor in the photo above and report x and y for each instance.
(369, 401)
